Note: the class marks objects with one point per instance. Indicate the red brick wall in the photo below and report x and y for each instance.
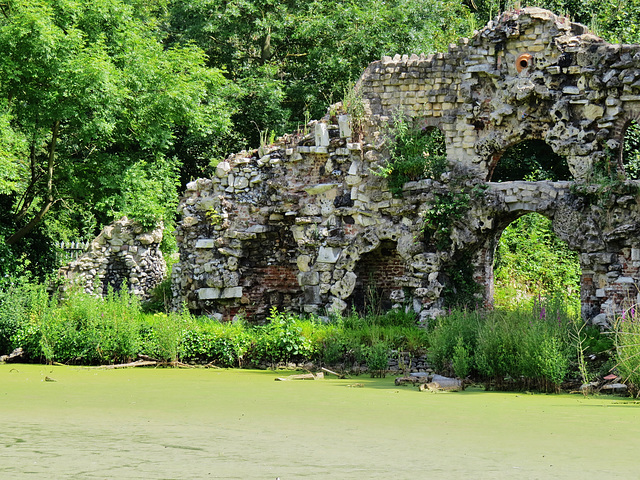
(377, 272)
(267, 287)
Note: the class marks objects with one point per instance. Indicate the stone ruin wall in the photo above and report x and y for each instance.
(123, 254)
(305, 225)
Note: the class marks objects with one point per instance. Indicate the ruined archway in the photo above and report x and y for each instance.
(531, 260)
(322, 187)
(377, 272)
(531, 160)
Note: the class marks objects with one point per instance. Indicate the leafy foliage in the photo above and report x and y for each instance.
(532, 260)
(415, 153)
(90, 102)
(531, 160)
(631, 151)
(294, 57)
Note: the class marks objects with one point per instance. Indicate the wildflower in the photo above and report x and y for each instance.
(543, 313)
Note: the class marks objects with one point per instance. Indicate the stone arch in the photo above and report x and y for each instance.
(507, 223)
(534, 154)
(266, 276)
(377, 279)
(627, 163)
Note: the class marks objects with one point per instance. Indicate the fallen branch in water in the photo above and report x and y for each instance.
(137, 363)
(304, 376)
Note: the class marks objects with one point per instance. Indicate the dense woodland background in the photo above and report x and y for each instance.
(108, 107)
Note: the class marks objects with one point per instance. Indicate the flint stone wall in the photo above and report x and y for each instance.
(123, 253)
(305, 225)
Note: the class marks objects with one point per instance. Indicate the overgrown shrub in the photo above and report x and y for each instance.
(528, 347)
(415, 153)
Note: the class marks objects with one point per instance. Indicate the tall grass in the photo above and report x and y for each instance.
(82, 329)
(528, 346)
(533, 345)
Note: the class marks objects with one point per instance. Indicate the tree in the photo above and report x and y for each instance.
(290, 57)
(90, 103)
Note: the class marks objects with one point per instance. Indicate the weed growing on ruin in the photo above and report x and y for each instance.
(415, 153)
(353, 105)
(447, 208)
(214, 217)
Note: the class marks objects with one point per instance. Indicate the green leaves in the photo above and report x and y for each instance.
(531, 257)
(99, 73)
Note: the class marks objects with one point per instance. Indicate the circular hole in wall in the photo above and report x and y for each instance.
(523, 61)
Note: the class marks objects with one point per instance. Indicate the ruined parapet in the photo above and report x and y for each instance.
(123, 254)
(306, 225)
(527, 75)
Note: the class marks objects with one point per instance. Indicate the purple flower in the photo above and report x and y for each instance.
(543, 313)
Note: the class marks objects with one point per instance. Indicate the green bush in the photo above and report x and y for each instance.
(225, 344)
(377, 358)
(284, 338)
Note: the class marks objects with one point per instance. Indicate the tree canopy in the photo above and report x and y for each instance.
(90, 103)
(106, 105)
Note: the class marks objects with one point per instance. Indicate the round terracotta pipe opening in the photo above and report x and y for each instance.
(523, 61)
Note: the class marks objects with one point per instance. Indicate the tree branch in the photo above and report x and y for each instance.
(49, 201)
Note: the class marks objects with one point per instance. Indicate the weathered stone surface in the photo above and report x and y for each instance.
(123, 254)
(328, 255)
(304, 224)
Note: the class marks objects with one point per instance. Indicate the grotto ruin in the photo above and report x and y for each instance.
(304, 224)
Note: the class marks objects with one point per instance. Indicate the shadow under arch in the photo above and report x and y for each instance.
(377, 274)
(532, 160)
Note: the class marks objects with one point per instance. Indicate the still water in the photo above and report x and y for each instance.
(79, 423)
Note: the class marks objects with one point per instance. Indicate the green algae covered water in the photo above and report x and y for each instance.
(241, 424)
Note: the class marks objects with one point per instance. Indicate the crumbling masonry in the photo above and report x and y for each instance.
(305, 225)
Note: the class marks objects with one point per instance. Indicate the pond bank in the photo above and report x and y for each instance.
(170, 423)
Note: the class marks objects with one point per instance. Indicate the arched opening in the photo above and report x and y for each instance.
(417, 151)
(116, 275)
(531, 261)
(377, 275)
(631, 151)
(531, 160)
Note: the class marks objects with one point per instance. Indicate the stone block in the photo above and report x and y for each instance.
(223, 169)
(345, 127)
(321, 135)
(311, 294)
(205, 243)
(233, 292)
(308, 278)
(209, 293)
(328, 255)
(343, 288)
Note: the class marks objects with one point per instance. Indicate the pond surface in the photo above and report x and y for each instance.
(192, 424)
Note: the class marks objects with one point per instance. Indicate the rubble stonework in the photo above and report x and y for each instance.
(123, 253)
(305, 225)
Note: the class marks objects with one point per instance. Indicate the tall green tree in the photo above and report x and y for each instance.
(91, 103)
(290, 57)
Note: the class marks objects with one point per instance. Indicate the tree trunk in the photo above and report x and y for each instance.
(48, 200)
